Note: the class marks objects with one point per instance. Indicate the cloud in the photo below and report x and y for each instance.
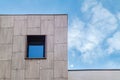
(114, 43)
(71, 66)
(88, 4)
(76, 33)
(118, 16)
(88, 36)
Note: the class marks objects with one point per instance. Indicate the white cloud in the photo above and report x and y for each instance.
(118, 16)
(74, 34)
(114, 43)
(87, 37)
(103, 20)
(88, 4)
(71, 66)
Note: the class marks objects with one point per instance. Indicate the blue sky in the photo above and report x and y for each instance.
(94, 28)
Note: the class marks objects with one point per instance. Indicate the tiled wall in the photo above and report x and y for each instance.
(13, 31)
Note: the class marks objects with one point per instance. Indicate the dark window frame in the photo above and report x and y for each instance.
(35, 40)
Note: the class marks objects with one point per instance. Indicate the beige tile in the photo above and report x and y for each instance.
(45, 17)
(5, 79)
(33, 31)
(47, 27)
(61, 21)
(47, 63)
(60, 52)
(61, 35)
(7, 21)
(50, 43)
(17, 75)
(20, 30)
(20, 18)
(18, 60)
(19, 44)
(33, 21)
(32, 69)
(60, 69)
(20, 26)
(32, 79)
(60, 78)
(46, 74)
(5, 69)
(5, 52)
(6, 35)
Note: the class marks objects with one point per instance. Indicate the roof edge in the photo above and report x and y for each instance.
(31, 14)
(95, 70)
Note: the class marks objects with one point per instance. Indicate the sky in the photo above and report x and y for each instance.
(93, 28)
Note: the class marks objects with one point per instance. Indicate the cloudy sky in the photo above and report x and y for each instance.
(94, 28)
(94, 37)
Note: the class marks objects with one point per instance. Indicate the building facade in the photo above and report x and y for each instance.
(94, 74)
(14, 31)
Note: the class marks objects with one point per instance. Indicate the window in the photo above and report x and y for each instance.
(36, 46)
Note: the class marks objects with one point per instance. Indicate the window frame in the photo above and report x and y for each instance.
(27, 46)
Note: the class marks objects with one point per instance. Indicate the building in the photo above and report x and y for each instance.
(21, 36)
(90, 74)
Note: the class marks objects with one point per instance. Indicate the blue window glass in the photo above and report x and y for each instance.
(36, 46)
(36, 51)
